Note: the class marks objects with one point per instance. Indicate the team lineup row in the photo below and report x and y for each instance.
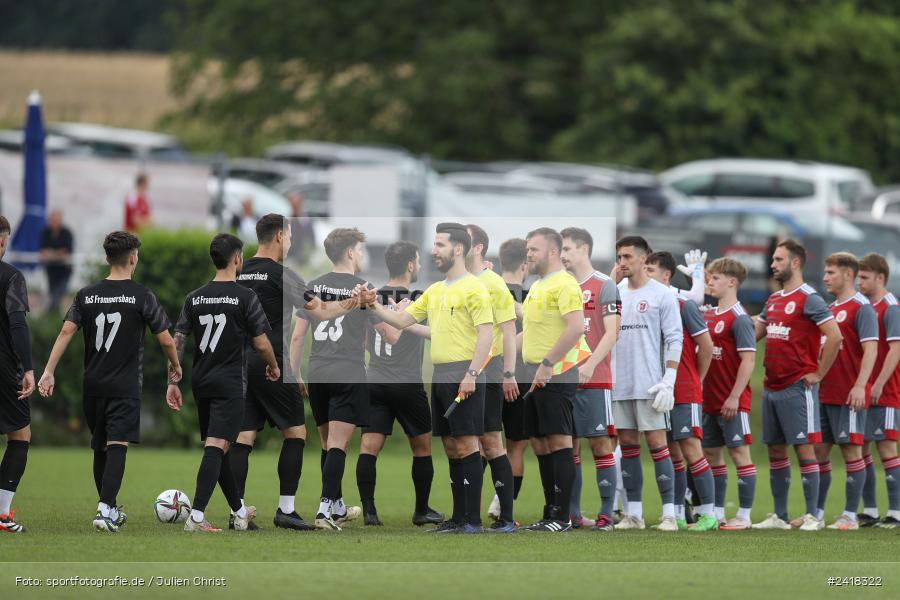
(579, 355)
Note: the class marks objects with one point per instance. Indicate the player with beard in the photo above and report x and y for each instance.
(225, 318)
(338, 395)
(459, 316)
(793, 322)
(396, 391)
(279, 403)
(553, 322)
(593, 399)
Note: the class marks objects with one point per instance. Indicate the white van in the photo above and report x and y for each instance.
(793, 185)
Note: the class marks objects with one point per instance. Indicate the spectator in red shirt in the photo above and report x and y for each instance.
(137, 208)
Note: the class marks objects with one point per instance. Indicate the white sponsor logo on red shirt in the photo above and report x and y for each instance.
(790, 307)
(777, 331)
(841, 316)
(720, 327)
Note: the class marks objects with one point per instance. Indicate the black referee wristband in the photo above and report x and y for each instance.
(546, 363)
(508, 375)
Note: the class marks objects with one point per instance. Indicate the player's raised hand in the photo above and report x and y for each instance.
(174, 373)
(173, 397)
(46, 384)
(694, 261)
(27, 385)
(273, 373)
(366, 295)
(856, 399)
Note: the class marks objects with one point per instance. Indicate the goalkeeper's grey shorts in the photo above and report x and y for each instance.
(638, 415)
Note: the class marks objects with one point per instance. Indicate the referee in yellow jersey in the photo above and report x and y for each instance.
(459, 314)
(553, 322)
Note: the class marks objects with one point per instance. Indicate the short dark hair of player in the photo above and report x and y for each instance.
(843, 260)
(340, 240)
(140, 180)
(512, 254)
(663, 260)
(458, 234)
(398, 256)
(268, 227)
(5, 229)
(479, 236)
(551, 235)
(728, 267)
(119, 245)
(795, 249)
(223, 248)
(875, 263)
(579, 236)
(636, 242)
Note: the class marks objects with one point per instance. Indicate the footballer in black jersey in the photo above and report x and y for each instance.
(113, 315)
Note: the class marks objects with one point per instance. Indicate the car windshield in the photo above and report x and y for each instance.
(834, 227)
(743, 185)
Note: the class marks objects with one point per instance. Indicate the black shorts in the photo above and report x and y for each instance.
(276, 402)
(548, 410)
(220, 417)
(405, 402)
(112, 420)
(15, 414)
(493, 395)
(514, 416)
(468, 418)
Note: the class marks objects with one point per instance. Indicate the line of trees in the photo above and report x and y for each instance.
(643, 82)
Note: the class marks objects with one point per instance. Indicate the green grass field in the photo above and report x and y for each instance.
(57, 500)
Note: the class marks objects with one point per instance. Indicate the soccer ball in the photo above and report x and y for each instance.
(172, 506)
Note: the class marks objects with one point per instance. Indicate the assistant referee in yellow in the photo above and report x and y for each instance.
(552, 323)
(461, 319)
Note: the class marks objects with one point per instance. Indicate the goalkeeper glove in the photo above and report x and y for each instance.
(664, 392)
(694, 260)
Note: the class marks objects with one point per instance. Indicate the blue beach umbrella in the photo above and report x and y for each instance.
(26, 238)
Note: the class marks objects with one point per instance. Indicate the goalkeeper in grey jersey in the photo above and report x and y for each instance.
(647, 357)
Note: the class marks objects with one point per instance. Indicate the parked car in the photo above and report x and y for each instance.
(573, 178)
(236, 191)
(415, 175)
(761, 221)
(116, 142)
(286, 178)
(13, 139)
(792, 185)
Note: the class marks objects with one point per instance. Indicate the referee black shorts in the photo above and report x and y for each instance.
(493, 395)
(407, 403)
(112, 420)
(278, 403)
(220, 417)
(548, 410)
(15, 414)
(468, 418)
(514, 416)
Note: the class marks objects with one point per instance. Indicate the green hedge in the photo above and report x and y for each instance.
(172, 263)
